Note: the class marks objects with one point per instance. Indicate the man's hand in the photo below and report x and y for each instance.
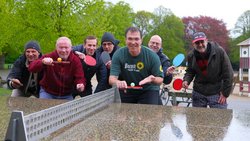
(80, 55)
(146, 80)
(170, 70)
(222, 99)
(16, 83)
(80, 87)
(108, 64)
(121, 84)
(47, 61)
(185, 84)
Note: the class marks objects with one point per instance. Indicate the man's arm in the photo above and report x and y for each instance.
(151, 79)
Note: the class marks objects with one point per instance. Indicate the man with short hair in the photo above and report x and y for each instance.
(136, 65)
(89, 48)
(61, 77)
(23, 82)
(210, 67)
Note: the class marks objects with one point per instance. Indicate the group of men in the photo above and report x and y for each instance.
(132, 65)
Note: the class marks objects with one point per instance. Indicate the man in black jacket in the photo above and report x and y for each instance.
(110, 45)
(23, 82)
(89, 48)
(211, 69)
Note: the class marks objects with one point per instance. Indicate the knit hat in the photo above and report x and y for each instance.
(33, 45)
(199, 36)
(108, 37)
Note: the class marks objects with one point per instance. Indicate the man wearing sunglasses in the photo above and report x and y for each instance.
(210, 67)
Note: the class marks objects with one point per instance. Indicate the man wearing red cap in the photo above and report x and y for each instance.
(210, 67)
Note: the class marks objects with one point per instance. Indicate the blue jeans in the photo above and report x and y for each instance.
(43, 94)
(199, 100)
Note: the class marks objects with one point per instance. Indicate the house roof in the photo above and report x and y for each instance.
(245, 43)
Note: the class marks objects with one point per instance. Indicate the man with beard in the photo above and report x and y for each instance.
(210, 67)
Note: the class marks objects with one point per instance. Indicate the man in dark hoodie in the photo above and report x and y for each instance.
(109, 44)
(89, 48)
(23, 82)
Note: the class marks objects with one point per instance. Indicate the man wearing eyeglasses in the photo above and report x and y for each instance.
(210, 67)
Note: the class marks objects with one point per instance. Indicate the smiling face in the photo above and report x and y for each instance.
(155, 43)
(90, 46)
(31, 54)
(63, 47)
(200, 45)
(133, 42)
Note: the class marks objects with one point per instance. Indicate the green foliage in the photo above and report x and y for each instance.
(46, 20)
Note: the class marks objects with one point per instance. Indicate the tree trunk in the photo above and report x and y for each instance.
(2, 61)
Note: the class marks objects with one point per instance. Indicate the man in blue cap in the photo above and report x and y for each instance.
(210, 67)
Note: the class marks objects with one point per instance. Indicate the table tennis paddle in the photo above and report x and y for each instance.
(61, 62)
(89, 60)
(177, 84)
(135, 87)
(178, 59)
(105, 57)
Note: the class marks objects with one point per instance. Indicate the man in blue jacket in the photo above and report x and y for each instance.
(155, 44)
(89, 48)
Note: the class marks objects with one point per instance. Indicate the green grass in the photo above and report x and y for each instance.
(4, 91)
(5, 112)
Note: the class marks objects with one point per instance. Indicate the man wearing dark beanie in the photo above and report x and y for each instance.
(23, 82)
(110, 45)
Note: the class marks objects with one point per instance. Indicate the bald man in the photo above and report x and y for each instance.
(155, 43)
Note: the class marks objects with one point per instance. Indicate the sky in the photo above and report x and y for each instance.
(226, 10)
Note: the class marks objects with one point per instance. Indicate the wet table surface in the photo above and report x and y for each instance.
(137, 122)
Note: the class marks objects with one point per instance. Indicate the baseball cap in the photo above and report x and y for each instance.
(199, 36)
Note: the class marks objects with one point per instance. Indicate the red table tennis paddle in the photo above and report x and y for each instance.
(135, 87)
(89, 60)
(177, 84)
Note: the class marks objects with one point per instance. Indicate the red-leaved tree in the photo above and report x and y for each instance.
(214, 29)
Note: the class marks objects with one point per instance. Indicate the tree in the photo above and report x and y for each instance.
(171, 31)
(46, 20)
(143, 20)
(213, 28)
(242, 25)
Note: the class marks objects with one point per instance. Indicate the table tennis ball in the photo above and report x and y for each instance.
(132, 84)
(59, 59)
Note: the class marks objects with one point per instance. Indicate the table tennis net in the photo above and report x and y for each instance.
(41, 124)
